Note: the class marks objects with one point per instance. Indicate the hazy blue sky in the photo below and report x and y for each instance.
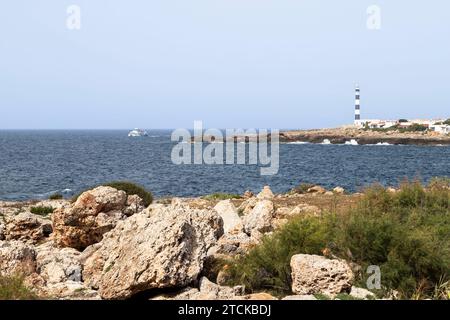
(230, 63)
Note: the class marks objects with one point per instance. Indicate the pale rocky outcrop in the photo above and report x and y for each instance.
(165, 248)
(27, 227)
(133, 205)
(304, 208)
(265, 194)
(312, 274)
(361, 293)
(317, 189)
(247, 206)
(259, 220)
(232, 244)
(17, 258)
(94, 213)
(229, 215)
(57, 265)
(339, 190)
(248, 194)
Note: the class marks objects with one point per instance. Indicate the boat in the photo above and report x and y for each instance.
(137, 133)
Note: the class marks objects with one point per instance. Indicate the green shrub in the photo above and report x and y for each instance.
(130, 188)
(406, 233)
(447, 122)
(40, 210)
(12, 288)
(221, 196)
(55, 196)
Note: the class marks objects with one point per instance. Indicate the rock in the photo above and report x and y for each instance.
(259, 296)
(68, 290)
(56, 265)
(300, 297)
(339, 190)
(27, 227)
(94, 213)
(304, 208)
(2, 231)
(247, 206)
(260, 218)
(233, 244)
(361, 293)
(328, 193)
(248, 194)
(391, 190)
(312, 274)
(265, 194)
(134, 205)
(165, 249)
(317, 189)
(17, 258)
(230, 217)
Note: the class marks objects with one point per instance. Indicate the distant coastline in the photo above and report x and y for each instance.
(364, 137)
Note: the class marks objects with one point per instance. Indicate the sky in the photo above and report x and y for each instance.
(229, 63)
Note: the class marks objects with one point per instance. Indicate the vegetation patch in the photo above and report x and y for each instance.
(41, 210)
(407, 234)
(302, 188)
(12, 288)
(221, 196)
(55, 196)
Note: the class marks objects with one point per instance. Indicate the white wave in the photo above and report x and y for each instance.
(298, 142)
(352, 142)
(66, 190)
(326, 141)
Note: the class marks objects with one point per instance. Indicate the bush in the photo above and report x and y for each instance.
(221, 196)
(12, 288)
(55, 196)
(407, 234)
(130, 188)
(447, 122)
(43, 211)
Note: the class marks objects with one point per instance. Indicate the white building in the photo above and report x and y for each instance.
(440, 128)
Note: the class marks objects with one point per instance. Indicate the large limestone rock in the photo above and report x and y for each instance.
(94, 213)
(17, 258)
(361, 293)
(163, 248)
(312, 274)
(229, 215)
(265, 194)
(27, 227)
(339, 190)
(57, 265)
(259, 220)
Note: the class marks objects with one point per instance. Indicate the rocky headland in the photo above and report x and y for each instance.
(364, 137)
(108, 245)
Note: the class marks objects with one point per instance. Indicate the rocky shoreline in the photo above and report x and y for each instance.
(107, 245)
(364, 137)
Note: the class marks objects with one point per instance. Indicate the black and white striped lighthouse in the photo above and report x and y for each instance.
(357, 106)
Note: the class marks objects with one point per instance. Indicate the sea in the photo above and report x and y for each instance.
(37, 163)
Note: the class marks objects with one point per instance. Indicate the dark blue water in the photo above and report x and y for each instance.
(34, 164)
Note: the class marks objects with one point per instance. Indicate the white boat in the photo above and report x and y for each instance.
(137, 133)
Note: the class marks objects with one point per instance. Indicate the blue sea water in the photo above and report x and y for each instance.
(34, 164)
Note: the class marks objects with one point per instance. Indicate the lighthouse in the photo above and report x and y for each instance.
(357, 106)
